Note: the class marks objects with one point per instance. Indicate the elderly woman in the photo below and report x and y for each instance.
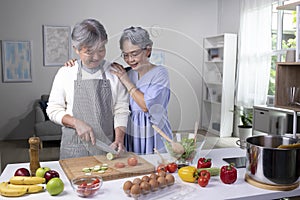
(149, 88)
(87, 99)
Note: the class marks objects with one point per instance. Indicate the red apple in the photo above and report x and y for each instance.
(51, 174)
(22, 172)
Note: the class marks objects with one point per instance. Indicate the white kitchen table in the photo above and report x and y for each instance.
(180, 190)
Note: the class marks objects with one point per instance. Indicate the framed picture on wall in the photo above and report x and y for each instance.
(16, 61)
(56, 42)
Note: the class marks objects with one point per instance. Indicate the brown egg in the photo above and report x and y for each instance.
(127, 186)
(145, 187)
(146, 178)
(135, 190)
(162, 173)
(153, 184)
(162, 182)
(153, 176)
(170, 179)
(137, 181)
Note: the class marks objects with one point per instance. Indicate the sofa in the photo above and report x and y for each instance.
(45, 129)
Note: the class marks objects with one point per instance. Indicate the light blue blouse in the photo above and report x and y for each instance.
(140, 136)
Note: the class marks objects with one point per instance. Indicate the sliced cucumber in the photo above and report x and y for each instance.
(86, 169)
(95, 169)
(110, 156)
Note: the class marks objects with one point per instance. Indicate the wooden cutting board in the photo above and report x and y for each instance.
(73, 166)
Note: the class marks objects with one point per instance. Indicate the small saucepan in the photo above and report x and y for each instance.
(269, 164)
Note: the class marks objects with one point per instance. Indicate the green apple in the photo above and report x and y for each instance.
(40, 172)
(55, 186)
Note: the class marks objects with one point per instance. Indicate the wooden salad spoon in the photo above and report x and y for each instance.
(176, 147)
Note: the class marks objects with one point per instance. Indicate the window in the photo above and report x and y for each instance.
(283, 38)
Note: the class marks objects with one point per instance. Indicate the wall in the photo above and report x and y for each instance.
(177, 28)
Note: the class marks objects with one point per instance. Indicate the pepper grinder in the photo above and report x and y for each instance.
(34, 143)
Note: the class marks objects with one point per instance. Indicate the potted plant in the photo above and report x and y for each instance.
(244, 129)
(246, 116)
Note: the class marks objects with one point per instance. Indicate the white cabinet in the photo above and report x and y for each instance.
(219, 70)
(273, 120)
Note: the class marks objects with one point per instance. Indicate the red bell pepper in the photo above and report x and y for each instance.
(228, 174)
(204, 163)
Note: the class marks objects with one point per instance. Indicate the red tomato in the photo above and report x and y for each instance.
(87, 192)
(132, 161)
(119, 165)
(80, 191)
(172, 167)
(83, 185)
(161, 167)
(202, 181)
(96, 181)
(205, 174)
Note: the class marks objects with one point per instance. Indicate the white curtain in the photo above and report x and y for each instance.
(254, 58)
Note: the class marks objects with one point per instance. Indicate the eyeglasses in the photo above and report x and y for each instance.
(132, 54)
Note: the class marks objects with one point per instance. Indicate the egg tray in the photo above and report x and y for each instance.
(175, 189)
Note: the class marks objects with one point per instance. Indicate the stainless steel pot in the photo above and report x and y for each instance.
(268, 164)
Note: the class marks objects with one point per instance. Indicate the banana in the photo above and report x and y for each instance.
(29, 188)
(10, 192)
(26, 180)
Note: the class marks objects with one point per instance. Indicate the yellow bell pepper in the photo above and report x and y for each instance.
(188, 174)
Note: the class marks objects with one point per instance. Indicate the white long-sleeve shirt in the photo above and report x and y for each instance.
(62, 94)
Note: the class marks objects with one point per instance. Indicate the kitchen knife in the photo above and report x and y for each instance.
(104, 147)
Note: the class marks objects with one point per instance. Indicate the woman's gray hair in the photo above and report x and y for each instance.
(137, 36)
(89, 33)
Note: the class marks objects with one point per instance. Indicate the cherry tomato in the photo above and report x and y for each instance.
(172, 167)
(96, 181)
(87, 192)
(202, 181)
(83, 185)
(205, 174)
(161, 167)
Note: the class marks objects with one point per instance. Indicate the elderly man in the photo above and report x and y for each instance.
(87, 99)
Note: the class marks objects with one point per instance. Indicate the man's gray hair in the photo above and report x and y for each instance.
(90, 34)
(137, 36)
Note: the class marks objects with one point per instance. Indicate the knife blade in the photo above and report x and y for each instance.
(104, 147)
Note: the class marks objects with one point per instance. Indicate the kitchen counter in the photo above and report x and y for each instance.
(180, 190)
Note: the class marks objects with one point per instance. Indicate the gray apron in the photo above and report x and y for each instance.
(93, 105)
